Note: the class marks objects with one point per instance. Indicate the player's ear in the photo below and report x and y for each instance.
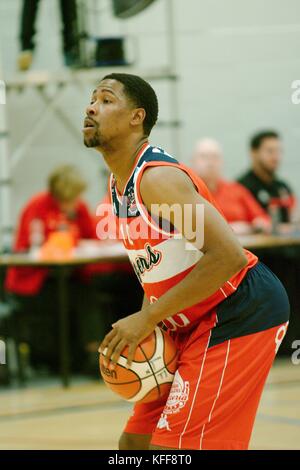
(138, 116)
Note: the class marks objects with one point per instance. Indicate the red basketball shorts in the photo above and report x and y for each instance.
(221, 372)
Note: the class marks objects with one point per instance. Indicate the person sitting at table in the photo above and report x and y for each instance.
(59, 208)
(261, 179)
(236, 203)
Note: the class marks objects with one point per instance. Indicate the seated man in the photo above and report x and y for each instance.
(236, 203)
(261, 179)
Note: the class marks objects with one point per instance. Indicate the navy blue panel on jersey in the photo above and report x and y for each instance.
(260, 303)
(123, 205)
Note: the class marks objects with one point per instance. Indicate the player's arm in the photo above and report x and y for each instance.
(223, 255)
(145, 302)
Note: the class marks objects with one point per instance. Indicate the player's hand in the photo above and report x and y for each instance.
(128, 331)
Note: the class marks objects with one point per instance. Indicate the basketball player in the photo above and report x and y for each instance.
(226, 311)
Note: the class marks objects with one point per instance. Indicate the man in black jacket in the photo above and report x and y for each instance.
(261, 180)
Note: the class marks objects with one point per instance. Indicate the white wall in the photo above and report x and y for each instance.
(236, 61)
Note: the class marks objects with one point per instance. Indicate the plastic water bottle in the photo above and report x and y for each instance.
(36, 236)
(274, 211)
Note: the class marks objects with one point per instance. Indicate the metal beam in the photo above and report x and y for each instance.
(5, 182)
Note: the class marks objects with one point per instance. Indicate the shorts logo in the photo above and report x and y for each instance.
(163, 423)
(178, 396)
(280, 335)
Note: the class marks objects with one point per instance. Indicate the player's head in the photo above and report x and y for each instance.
(266, 150)
(208, 160)
(122, 104)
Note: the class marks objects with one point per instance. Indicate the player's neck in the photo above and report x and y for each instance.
(121, 159)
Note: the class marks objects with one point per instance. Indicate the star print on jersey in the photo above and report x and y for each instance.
(132, 209)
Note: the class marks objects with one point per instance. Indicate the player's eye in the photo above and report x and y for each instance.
(106, 101)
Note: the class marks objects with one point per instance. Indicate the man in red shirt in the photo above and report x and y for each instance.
(237, 204)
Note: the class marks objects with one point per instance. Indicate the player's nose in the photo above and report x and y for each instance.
(91, 110)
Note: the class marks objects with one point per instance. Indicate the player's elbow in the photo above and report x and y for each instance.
(238, 260)
(231, 261)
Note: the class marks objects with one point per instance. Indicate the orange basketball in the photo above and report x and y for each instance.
(151, 373)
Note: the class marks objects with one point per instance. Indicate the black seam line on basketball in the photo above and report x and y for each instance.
(174, 357)
(124, 357)
(147, 394)
(132, 381)
(157, 384)
(147, 376)
(126, 383)
(138, 379)
(165, 366)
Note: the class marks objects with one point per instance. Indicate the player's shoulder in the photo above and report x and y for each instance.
(161, 180)
(38, 200)
(82, 207)
(237, 187)
(36, 206)
(155, 153)
(245, 176)
(250, 181)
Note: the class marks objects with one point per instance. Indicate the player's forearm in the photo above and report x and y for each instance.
(210, 273)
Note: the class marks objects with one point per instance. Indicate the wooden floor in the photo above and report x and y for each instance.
(89, 416)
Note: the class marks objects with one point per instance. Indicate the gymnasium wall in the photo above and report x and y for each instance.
(236, 61)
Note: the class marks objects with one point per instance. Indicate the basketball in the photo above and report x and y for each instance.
(151, 373)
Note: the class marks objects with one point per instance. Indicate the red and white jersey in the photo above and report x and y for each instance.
(159, 258)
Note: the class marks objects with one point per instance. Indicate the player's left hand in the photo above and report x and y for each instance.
(128, 331)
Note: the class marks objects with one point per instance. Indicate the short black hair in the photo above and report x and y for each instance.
(257, 139)
(141, 94)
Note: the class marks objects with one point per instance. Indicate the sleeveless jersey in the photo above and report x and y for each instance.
(159, 258)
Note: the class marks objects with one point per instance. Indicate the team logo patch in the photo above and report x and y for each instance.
(178, 396)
